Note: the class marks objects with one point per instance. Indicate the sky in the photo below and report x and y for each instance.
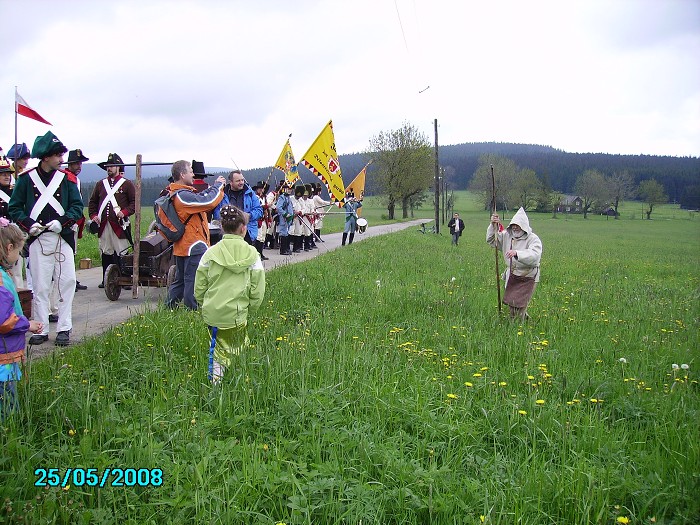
(225, 81)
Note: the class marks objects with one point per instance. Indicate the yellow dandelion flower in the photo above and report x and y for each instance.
(476, 375)
(484, 368)
(71, 432)
(522, 412)
(502, 383)
(539, 402)
(531, 377)
(622, 519)
(468, 384)
(266, 447)
(594, 400)
(451, 396)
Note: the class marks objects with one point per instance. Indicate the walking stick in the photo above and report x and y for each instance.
(498, 273)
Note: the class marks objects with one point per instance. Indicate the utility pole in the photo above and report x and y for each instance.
(437, 183)
(444, 191)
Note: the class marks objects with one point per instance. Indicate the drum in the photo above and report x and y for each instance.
(361, 224)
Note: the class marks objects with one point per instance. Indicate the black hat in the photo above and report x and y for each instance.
(47, 145)
(198, 169)
(113, 159)
(94, 227)
(76, 155)
(5, 166)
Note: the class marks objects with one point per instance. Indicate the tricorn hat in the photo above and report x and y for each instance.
(47, 145)
(198, 170)
(76, 155)
(113, 159)
(19, 151)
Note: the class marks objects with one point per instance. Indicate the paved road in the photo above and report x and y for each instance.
(94, 314)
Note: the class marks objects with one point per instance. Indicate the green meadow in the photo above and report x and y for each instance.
(383, 386)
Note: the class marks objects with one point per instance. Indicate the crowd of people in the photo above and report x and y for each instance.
(41, 220)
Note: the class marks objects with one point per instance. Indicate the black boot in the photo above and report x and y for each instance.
(307, 243)
(318, 235)
(352, 236)
(284, 245)
(345, 237)
(296, 243)
(259, 246)
(106, 261)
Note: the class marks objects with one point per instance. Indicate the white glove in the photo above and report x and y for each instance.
(36, 229)
(54, 226)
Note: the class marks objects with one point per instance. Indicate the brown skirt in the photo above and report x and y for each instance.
(519, 290)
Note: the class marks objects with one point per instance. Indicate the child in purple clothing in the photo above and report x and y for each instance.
(13, 324)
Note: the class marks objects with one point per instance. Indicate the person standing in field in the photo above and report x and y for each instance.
(20, 155)
(229, 285)
(522, 250)
(75, 166)
(456, 226)
(285, 215)
(319, 204)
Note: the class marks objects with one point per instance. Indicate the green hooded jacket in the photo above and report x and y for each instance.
(230, 282)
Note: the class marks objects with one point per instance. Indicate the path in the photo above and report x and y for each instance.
(94, 314)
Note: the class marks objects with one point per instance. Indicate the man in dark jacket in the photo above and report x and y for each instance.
(46, 203)
(456, 226)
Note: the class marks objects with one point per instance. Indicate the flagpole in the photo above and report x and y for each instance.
(15, 103)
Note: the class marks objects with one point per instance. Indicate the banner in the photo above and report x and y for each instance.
(322, 160)
(22, 108)
(287, 164)
(357, 186)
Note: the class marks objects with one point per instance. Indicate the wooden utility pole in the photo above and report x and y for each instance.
(137, 230)
(437, 183)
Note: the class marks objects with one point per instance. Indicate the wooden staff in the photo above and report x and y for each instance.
(498, 273)
(137, 230)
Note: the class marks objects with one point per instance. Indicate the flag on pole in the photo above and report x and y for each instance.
(357, 186)
(24, 109)
(322, 160)
(287, 164)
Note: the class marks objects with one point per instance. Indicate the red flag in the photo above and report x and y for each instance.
(22, 108)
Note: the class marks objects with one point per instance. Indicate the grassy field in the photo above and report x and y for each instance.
(382, 386)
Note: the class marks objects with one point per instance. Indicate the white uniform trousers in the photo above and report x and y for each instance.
(110, 244)
(50, 257)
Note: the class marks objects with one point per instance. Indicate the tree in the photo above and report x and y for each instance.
(651, 193)
(526, 188)
(621, 187)
(593, 189)
(504, 171)
(404, 161)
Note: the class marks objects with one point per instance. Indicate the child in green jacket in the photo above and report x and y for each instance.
(229, 284)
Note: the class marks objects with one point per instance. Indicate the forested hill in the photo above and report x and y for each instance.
(676, 174)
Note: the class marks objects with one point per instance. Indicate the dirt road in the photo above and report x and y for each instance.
(94, 314)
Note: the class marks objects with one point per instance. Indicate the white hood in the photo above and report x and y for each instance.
(520, 218)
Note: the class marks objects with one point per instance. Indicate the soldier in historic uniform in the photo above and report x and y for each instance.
(46, 203)
(111, 204)
(75, 166)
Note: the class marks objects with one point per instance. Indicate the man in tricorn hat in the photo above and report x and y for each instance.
(46, 203)
(20, 155)
(285, 214)
(111, 204)
(75, 166)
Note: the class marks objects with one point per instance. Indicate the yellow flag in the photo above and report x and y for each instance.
(322, 160)
(287, 164)
(357, 186)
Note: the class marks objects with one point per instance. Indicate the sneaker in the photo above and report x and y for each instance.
(101, 285)
(38, 339)
(53, 318)
(79, 286)
(62, 338)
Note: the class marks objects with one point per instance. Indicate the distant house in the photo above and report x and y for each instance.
(570, 204)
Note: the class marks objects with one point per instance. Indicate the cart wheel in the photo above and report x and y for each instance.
(112, 286)
(171, 276)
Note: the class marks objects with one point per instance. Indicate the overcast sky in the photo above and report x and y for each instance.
(226, 81)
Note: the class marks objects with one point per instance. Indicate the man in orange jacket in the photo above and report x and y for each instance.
(192, 208)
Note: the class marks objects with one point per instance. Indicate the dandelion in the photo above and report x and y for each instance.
(623, 360)
(476, 375)
(193, 422)
(453, 279)
(502, 383)
(468, 384)
(622, 519)
(378, 283)
(674, 366)
(265, 447)
(71, 432)
(522, 412)
(539, 402)
(451, 396)
(685, 366)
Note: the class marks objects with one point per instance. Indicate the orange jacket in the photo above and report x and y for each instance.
(194, 206)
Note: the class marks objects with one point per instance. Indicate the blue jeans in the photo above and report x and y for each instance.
(182, 288)
(455, 238)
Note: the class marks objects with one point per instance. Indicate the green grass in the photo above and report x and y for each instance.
(381, 390)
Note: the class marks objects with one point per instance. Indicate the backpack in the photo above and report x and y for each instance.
(167, 220)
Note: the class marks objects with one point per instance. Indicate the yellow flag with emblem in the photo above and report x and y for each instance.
(287, 164)
(357, 186)
(322, 160)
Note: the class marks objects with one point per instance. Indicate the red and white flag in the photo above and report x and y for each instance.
(22, 108)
